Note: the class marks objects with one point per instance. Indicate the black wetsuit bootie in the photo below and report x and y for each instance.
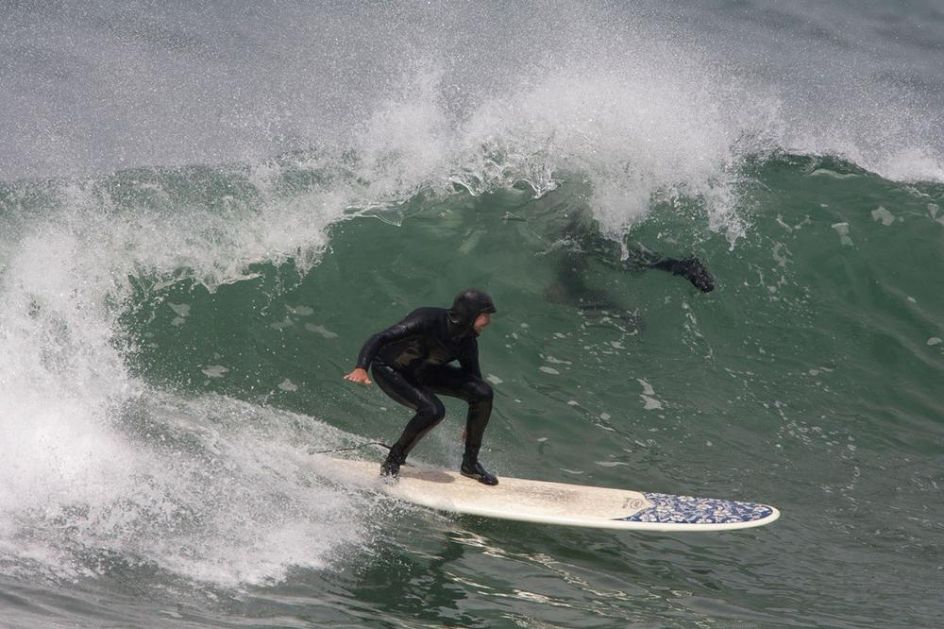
(391, 465)
(473, 469)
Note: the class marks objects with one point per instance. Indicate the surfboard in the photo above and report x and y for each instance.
(553, 503)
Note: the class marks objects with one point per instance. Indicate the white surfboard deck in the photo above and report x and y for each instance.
(555, 503)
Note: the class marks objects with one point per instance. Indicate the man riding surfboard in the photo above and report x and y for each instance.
(410, 361)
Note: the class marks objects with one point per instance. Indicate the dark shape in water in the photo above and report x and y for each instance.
(571, 288)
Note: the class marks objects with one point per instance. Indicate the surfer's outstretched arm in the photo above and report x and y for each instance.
(414, 323)
(639, 258)
(691, 269)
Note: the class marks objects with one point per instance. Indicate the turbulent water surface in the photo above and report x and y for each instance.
(206, 208)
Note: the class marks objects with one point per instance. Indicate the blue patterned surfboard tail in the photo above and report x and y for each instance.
(668, 509)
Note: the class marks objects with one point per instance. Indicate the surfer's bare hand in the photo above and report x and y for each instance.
(359, 376)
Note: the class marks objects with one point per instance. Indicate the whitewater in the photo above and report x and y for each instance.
(206, 208)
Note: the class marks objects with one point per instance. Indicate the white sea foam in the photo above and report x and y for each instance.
(94, 461)
(883, 216)
(321, 330)
(647, 100)
(639, 108)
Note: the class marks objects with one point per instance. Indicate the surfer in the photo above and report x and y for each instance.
(578, 243)
(410, 361)
(571, 286)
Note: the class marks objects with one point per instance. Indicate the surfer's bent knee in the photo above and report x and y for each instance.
(432, 411)
(480, 390)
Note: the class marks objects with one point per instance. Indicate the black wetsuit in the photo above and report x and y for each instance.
(411, 362)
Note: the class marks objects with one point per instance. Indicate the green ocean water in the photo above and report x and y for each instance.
(206, 208)
(808, 379)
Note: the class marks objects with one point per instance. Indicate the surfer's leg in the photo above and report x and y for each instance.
(456, 382)
(429, 412)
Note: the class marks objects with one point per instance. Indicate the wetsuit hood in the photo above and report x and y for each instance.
(468, 305)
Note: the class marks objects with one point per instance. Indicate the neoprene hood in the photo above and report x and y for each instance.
(467, 305)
